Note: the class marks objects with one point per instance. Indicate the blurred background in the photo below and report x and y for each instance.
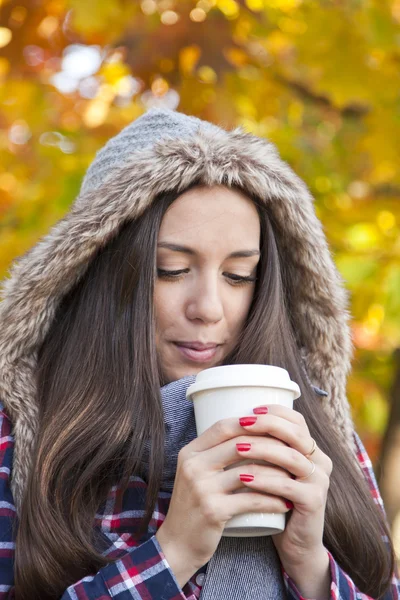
(319, 78)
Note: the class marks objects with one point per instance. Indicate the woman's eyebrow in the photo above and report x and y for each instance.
(187, 250)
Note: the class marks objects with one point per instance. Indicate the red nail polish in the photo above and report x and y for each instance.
(260, 410)
(289, 504)
(245, 421)
(245, 477)
(243, 447)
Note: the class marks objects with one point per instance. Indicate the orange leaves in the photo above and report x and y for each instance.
(318, 79)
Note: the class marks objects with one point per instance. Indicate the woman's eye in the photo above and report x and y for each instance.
(239, 279)
(234, 279)
(170, 274)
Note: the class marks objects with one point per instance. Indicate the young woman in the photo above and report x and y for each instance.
(188, 247)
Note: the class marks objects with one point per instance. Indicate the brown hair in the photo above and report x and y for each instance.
(98, 391)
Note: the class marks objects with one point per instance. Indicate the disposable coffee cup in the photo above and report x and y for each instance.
(233, 391)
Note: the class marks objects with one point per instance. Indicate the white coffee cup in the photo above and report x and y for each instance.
(233, 391)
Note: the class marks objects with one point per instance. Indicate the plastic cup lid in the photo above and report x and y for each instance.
(243, 375)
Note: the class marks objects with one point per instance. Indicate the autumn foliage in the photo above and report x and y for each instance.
(318, 78)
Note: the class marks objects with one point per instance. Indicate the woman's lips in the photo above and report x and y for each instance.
(198, 355)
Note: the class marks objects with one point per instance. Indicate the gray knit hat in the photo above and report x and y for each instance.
(155, 124)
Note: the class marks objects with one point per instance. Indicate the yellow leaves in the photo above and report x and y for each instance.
(246, 107)
(364, 337)
(4, 67)
(18, 15)
(208, 95)
(56, 7)
(386, 220)
(206, 5)
(251, 125)
(70, 121)
(207, 74)
(160, 86)
(114, 75)
(148, 7)
(375, 316)
(381, 142)
(255, 5)
(48, 26)
(278, 43)
(287, 70)
(189, 56)
(343, 201)
(384, 171)
(97, 109)
(358, 189)
(249, 73)
(236, 56)
(283, 5)
(166, 65)
(5, 36)
(336, 63)
(362, 236)
(95, 113)
(8, 183)
(169, 17)
(113, 72)
(292, 26)
(242, 29)
(198, 15)
(375, 412)
(323, 184)
(230, 8)
(356, 269)
(396, 10)
(295, 115)
(110, 18)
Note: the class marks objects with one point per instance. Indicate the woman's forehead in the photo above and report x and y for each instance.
(211, 212)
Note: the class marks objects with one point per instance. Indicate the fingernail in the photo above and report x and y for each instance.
(245, 477)
(260, 410)
(243, 447)
(289, 504)
(246, 421)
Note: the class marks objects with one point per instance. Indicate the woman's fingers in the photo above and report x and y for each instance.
(282, 411)
(276, 453)
(263, 448)
(311, 496)
(225, 501)
(228, 481)
(221, 431)
(294, 434)
(282, 423)
(279, 437)
(237, 504)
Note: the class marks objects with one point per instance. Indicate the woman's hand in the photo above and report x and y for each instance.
(203, 497)
(301, 541)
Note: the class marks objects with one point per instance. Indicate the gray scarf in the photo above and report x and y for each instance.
(240, 568)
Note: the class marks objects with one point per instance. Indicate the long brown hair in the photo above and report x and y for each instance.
(98, 391)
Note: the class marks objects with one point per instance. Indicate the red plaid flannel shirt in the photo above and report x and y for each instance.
(140, 570)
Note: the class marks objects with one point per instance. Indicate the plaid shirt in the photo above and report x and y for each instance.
(140, 570)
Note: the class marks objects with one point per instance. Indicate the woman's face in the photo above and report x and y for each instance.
(209, 238)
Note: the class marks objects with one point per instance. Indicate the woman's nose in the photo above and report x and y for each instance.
(205, 303)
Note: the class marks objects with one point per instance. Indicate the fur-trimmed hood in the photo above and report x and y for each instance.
(164, 150)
